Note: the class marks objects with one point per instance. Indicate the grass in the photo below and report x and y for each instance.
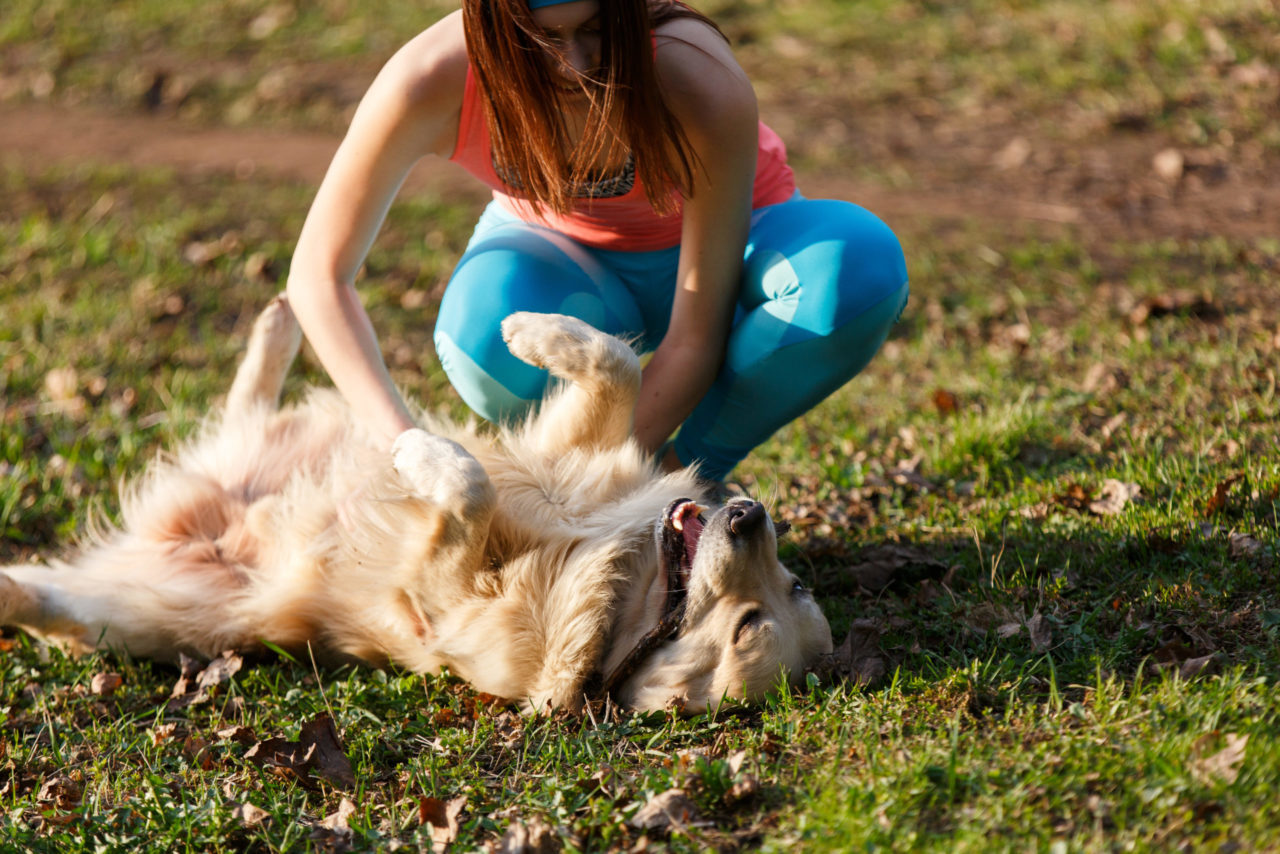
(1053, 676)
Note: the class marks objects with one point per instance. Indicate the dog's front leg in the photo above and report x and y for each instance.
(444, 520)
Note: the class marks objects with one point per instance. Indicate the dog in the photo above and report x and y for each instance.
(549, 562)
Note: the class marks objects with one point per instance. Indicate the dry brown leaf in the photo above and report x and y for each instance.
(164, 732)
(105, 684)
(1221, 766)
(443, 818)
(220, 670)
(670, 810)
(1218, 501)
(338, 821)
(318, 750)
(1243, 546)
(532, 837)
(945, 402)
(1040, 631)
(858, 657)
(896, 564)
(1009, 630)
(61, 791)
(249, 815)
(197, 750)
(1116, 496)
(989, 617)
(239, 734)
(1037, 512)
(1076, 497)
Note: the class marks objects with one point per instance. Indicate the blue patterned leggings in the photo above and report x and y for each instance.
(823, 281)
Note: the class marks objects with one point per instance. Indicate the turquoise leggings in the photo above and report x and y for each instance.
(822, 284)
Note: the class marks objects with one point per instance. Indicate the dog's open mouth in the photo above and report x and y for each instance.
(682, 525)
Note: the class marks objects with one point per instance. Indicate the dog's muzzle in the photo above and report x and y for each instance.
(682, 524)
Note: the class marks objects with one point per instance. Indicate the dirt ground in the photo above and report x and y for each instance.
(1113, 183)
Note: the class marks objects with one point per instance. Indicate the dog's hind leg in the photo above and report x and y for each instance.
(273, 344)
(596, 407)
(82, 611)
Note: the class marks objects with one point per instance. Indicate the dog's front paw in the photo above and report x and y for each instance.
(568, 347)
(438, 469)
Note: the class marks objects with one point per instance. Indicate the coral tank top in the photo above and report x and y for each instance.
(616, 214)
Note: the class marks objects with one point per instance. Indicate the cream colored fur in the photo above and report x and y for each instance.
(524, 560)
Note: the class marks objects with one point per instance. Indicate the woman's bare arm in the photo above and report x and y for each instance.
(410, 110)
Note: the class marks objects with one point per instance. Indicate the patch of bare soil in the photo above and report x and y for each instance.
(1112, 183)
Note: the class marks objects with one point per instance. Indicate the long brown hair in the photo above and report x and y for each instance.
(525, 107)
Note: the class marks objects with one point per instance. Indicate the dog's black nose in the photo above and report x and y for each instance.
(746, 517)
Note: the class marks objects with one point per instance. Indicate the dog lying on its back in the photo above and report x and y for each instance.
(540, 563)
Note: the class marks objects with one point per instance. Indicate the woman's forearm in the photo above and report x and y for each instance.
(675, 379)
(340, 333)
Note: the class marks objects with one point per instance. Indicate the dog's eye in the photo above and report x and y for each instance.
(797, 588)
(749, 619)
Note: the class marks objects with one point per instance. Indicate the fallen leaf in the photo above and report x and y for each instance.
(670, 810)
(1076, 497)
(443, 818)
(220, 670)
(1037, 512)
(249, 815)
(240, 734)
(858, 657)
(105, 684)
(1008, 630)
(894, 564)
(318, 750)
(197, 750)
(338, 821)
(1218, 501)
(1243, 546)
(945, 402)
(988, 617)
(1040, 631)
(1222, 766)
(1116, 496)
(62, 791)
(744, 788)
(532, 837)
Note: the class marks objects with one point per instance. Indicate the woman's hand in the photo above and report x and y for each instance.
(410, 110)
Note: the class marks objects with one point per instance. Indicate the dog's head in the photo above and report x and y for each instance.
(747, 619)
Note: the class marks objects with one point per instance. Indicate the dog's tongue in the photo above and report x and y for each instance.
(690, 527)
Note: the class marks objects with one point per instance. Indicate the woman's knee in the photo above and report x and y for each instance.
(833, 259)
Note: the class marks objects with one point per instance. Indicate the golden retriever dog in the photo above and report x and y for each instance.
(549, 563)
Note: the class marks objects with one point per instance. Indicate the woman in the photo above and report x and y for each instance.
(635, 188)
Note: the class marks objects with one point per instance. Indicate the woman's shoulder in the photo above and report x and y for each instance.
(431, 69)
(697, 70)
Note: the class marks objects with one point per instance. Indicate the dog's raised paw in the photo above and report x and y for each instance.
(567, 347)
(276, 333)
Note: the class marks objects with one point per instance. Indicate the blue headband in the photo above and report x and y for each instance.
(538, 4)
